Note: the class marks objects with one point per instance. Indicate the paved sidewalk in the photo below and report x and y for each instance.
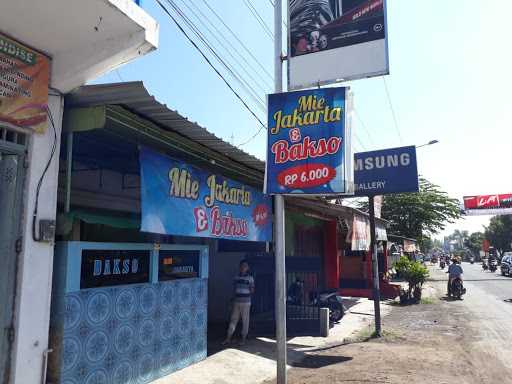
(254, 363)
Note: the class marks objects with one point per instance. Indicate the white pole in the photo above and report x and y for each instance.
(279, 223)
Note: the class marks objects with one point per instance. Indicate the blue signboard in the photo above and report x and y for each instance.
(179, 199)
(308, 142)
(386, 171)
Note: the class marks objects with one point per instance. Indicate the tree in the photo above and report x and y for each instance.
(474, 242)
(499, 233)
(419, 215)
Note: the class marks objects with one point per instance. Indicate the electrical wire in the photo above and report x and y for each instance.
(235, 49)
(259, 19)
(363, 125)
(251, 92)
(35, 237)
(210, 63)
(392, 109)
(359, 142)
(251, 138)
(230, 52)
(238, 40)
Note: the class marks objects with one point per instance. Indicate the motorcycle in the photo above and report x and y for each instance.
(457, 289)
(493, 266)
(325, 299)
(442, 264)
(472, 260)
(331, 300)
(485, 267)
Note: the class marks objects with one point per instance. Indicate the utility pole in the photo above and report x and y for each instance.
(279, 215)
(375, 265)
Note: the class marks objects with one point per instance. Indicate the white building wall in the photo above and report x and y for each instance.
(36, 260)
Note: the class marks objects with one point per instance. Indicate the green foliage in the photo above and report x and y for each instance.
(416, 275)
(474, 242)
(414, 272)
(499, 233)
(402, 266)
(419, 215)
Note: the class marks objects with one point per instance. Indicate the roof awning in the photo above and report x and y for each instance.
(130, 113)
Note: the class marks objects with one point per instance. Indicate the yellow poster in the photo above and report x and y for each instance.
(24, 77)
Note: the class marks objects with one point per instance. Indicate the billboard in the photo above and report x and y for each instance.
(385, 171)
(24, 77)
(500, 204)
(179, 199)
(333, 40)
(309, 149)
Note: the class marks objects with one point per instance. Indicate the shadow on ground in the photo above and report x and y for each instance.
(320, 361)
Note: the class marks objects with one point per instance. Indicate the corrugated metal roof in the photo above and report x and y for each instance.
(135, 97)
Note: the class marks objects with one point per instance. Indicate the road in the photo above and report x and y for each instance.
(490, 314)
(440, 340)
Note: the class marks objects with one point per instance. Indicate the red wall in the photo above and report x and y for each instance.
(331, 259)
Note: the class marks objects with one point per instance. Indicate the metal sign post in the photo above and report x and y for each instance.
(375, 264)
(279, 223)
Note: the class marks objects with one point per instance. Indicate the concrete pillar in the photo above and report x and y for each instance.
(36, 260)
(324, 322)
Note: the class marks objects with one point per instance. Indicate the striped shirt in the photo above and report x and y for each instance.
(243, 285)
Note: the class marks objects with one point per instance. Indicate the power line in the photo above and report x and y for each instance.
(238, 39)
(392, 109)
(233, 49)
(259, 19)
(260, 129)
(363, 125)
(210, 63)
(225, 48)
(251, 92)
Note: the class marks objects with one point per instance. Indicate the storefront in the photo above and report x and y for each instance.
(154, 215)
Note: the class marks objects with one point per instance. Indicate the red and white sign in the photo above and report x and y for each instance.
(499, 204)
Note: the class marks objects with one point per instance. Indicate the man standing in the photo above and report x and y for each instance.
(243, 289)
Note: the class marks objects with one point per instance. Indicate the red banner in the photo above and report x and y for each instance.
(488, 201)
(500, 204)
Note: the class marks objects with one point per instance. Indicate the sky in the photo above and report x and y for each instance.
(449, 80)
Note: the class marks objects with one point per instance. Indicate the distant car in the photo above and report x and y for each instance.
(506, 265)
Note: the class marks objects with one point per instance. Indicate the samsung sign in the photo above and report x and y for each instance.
(386, 171)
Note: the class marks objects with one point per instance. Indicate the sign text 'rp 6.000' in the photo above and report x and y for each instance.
(309, 143)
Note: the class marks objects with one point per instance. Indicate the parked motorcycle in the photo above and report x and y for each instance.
(442, 264)
(325, 299)
(472, 260)
(493, 265)
(485, 267)
(457, 289)
(331, 300)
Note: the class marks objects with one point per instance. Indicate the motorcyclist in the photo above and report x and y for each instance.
(454, 271)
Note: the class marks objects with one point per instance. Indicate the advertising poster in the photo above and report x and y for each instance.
(309, 143)
(180, 199)
(392, 170)
(500, 204)
(24, 77)
(331, 40)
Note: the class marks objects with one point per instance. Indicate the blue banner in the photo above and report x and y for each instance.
(179, 199)
(308, 143)
(386, 171)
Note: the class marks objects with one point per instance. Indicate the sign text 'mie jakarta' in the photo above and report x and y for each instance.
(386, 171)
(180, 199)
(307, 142)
